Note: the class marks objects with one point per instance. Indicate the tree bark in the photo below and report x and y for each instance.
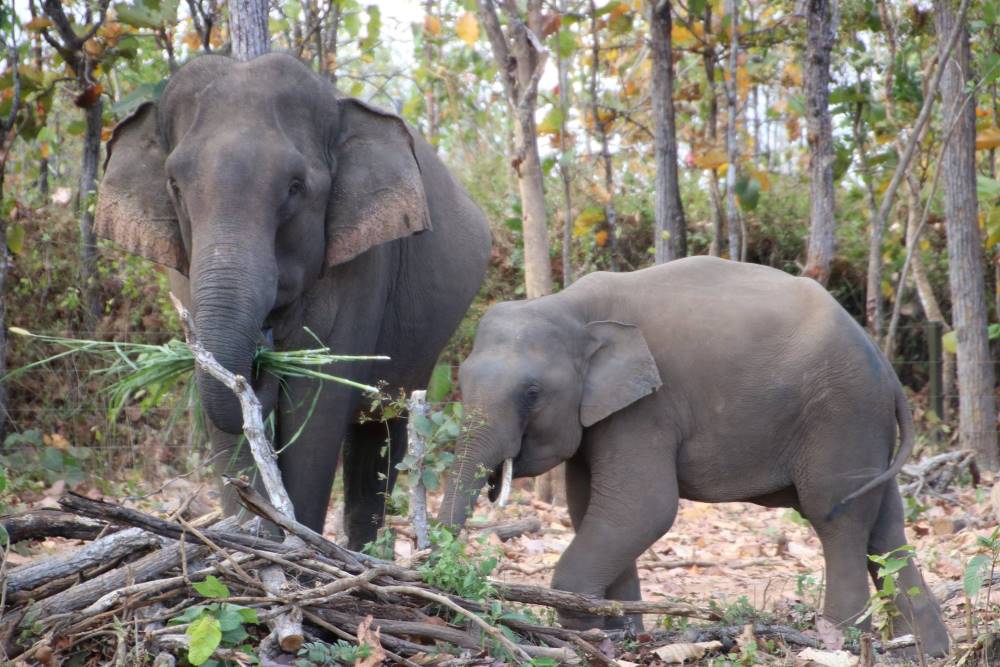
(564, 162)
(85, 206)
(977, 408)
(821, 33)
(248, 28)
(610, 214)
(671, 230)
(718, 221)
(736, 241)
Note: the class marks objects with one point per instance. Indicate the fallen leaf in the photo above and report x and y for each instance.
(812, 656)
(370, 637)
(831, 636)
(682, 652)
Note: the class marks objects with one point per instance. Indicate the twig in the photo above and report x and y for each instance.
(492, 631)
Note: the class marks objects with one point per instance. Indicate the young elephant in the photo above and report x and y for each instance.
(703, 379)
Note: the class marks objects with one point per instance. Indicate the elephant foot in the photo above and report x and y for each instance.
(630, 623)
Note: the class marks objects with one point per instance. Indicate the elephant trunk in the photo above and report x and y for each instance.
(481, 458)
(230, 303)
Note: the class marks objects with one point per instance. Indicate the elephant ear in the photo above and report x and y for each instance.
(620, 370)
(377, 193)
(134, 210)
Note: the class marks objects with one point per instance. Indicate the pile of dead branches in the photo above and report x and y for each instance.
(137, 588)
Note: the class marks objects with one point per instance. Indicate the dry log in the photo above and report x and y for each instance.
(511, 529)
(105, 550)
(727, 634)
(588, 605)
(148, 567)
(38, 524)
(259, 505)
(118, 514)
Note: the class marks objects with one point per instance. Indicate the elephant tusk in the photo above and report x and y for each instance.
(505, 477)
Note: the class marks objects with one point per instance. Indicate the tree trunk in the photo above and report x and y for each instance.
(521, 59)
(248, 28)
(430, 59)
(821, 30)
(732, 150)
(564, 163)
(610, 214)
(977, 403)
(85, 207)
(671, 231)
(708, 59)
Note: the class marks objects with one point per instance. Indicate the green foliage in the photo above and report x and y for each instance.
(882, 607)
(452, 569)
(383, 546)
(341, 653)
(210, 626)
(440, 429)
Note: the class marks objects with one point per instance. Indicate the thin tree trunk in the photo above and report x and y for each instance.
(708, 59)
(6, 135)
(85, 206)
(564, 163)
(977, 402)
(248, 28)
(610, 214)
(430, 59)
(671, 230)
(521, 58)
(821, 32)
(332, 42)
(732, 149)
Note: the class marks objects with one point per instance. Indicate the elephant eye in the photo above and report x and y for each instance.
(531, 395)
(296, 187)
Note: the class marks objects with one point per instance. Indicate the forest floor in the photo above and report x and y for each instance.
(744, 560)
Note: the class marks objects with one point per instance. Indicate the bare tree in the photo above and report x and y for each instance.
(821, 19)
(520, 58)
(976, 399)
(715, 195)
(70, 45)
(248, 28)
(671, 230)
(204, 16)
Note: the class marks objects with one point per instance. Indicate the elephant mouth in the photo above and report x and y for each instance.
(499, 481)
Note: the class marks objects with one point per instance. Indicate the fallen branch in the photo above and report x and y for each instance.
(588, 605)
(417, 408)
(39, 524)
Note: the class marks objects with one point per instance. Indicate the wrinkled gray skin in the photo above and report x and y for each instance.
(701, 379)
(280, 205)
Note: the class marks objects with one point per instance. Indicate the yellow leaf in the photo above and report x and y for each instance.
(38, 24)
(588, 218)
(761, 177)
(44, 151)
(601, 238)
(192, 40)
(432, 25)
(713, 159)
(792, 74)
(93, 48)
(743, 82)
(468, 28)
(681, 35)
(988, 139)
(982, 113)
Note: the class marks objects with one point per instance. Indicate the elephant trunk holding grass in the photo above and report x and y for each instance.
(702, 379)
(286, 214)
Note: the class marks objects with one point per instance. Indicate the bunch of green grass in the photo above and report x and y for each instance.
(148, 371)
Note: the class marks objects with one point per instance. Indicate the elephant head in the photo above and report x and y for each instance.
(252, 179)
(536, 378)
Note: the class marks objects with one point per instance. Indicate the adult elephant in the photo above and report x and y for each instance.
(284, 210)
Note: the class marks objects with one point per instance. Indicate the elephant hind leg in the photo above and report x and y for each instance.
(370, 456)
(920, 613)
(625, 587)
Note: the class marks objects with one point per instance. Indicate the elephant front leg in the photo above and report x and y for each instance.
(630, 507)
(370, 457)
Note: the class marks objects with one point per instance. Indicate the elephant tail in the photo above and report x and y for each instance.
(907, 438)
